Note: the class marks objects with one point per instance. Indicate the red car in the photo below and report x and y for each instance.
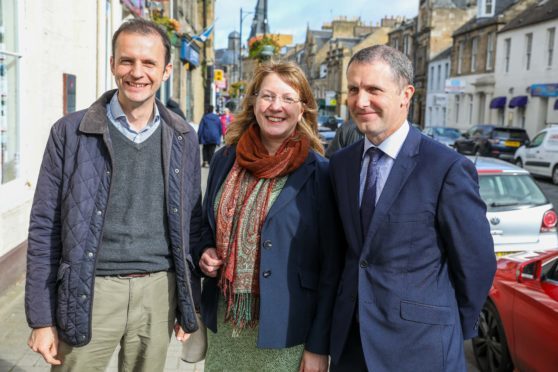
(519, 322)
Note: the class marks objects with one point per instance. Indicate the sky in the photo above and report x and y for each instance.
(293, 16)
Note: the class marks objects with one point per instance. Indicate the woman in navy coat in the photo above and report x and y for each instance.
(270, 245)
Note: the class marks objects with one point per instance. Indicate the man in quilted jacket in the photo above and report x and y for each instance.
(116, 209)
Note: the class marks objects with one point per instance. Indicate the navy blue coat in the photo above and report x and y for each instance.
(67, 218)
(299, 247)
(421, 275)
(210, 131)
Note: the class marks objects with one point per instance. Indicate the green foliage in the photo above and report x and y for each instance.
(255, 51)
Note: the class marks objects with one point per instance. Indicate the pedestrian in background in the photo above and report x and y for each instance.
(270, 242)
(419, 260)
(116, 209)
(226, 120)
(209, 134)
(345, 135)
(175, 107)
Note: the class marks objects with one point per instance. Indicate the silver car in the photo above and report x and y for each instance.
(521, 217)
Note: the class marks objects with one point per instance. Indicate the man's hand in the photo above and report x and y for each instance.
(45, 342)
(313, 362)
(180, 334)
(210, 262)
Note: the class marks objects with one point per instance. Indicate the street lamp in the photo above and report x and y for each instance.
(243, 15)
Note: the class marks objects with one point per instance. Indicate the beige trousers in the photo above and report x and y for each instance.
(136, 313)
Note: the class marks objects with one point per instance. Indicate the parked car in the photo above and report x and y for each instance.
(489, 140)
(326, 135)
(330, 121)
(519, 322)
(540, 156)
(445, 135)
(521, 217)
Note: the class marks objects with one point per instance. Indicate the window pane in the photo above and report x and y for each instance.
(9, 130)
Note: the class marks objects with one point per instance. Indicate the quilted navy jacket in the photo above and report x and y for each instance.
(69, 210)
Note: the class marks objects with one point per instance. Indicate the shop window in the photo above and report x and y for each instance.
(9, 121)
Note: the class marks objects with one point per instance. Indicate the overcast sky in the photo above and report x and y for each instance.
(293, 16)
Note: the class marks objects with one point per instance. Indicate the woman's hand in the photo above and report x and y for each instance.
(313, 362)
(210, 262)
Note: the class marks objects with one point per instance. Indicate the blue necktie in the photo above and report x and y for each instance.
(368, 203)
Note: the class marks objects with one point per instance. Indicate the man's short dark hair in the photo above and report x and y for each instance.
(399, 63)
(210, 109)
(144, 27)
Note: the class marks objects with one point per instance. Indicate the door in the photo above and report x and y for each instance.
(535, 161)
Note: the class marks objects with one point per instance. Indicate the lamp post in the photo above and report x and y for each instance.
(243, 15)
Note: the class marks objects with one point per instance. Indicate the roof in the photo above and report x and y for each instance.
(442, 55)
(485, 164)
(476, 22)
(544, 11)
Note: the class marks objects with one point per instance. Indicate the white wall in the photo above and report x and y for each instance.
(55, 37)
(437, 98)
(539, 111)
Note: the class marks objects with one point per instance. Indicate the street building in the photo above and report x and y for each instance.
(526, 70)
(436, 22)
(436, 97)
(472, 82)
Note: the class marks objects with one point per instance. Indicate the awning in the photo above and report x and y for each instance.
(498, 102)
(556, 105)
(518, 101)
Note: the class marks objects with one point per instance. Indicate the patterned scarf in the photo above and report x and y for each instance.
(251, 187)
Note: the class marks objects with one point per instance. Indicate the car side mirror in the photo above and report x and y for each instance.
(527, 143)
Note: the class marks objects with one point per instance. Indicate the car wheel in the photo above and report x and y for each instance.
(519, 163)
(555, 175)
(490, 347)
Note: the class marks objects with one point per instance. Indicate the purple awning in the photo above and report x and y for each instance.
(518, 101)
(498, 102)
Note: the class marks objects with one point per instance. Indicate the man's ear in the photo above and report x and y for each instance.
(167, 72)
(407, 94)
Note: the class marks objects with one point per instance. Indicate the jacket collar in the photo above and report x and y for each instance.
(95, 120)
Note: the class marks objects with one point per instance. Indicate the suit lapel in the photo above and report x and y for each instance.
(402, 168)
(352, 181)
(294, 183)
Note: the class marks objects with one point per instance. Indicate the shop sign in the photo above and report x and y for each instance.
(544, 90)
(454, 86)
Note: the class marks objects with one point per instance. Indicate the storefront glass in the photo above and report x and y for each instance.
(9, 61)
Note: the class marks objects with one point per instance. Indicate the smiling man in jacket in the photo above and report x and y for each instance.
(116, 209)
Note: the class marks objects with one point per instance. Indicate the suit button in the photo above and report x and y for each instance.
(267, 274)
(364, 264)
(267, 244)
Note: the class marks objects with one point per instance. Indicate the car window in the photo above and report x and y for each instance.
(447, 132)
(509, 190)
(538, 140)
(509, 134)
(550, 270)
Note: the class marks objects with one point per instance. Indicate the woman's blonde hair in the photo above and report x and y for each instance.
(291, 74)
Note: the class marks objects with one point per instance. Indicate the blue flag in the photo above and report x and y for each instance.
(202, 37)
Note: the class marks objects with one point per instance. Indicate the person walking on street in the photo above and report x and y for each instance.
(116, 210)
(209, 134)
(419, 259)
(226, 120)
(345, 135)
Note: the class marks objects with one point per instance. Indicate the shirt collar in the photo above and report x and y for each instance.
(391, 145)
(117, 113)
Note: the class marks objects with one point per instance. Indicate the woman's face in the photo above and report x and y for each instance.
(277, 109)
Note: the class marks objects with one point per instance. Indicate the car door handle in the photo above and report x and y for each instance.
(497, 232)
